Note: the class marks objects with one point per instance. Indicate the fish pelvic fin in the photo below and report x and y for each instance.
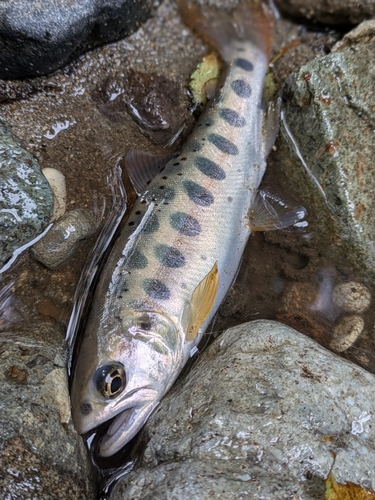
(251, 20)
(202, 300)
(270, 211)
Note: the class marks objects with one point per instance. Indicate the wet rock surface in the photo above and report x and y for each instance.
(55, 31)
(40, 454)
(328, 111)
(334, 12)
(26, 199)
(64, 239)
(256, 418)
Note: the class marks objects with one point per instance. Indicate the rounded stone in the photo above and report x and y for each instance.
(352, 297)
(346, 332)
(64, 238)
(54, 32)
(26, 198)
(300, 296)
(57, 182)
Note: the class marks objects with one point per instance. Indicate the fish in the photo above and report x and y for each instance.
(179, 251)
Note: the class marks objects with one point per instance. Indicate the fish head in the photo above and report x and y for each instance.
(122, 376)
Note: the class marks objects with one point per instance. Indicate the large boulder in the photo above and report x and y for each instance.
(256, 418)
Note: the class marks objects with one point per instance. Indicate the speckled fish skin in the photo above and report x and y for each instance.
(194, 214)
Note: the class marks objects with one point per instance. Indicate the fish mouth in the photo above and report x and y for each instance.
(124, 427)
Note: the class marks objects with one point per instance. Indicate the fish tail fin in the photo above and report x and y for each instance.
(251, 20)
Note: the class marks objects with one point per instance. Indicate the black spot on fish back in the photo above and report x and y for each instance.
(232, 117)
(241, 88)
(137, 260)
(169, 256)
(185, 224)
(210, 168)
(193, 146)
(152, 224)
(156, 289)
(225, 145)
(161, 193)
(244, 64)
(198, 194)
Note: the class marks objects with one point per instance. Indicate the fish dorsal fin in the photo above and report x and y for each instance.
(250, 20)
(201, 303)
(142, 167)
(269, 211)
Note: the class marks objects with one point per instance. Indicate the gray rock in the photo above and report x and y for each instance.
(333, 12)
(256, 418)
(328, 109)
(64, 238)
(41, 455)
(55, 31)
(26, 199)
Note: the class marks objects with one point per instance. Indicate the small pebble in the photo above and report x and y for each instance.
(346, 332)
(352, 297)
(57, 182)
(64, 238)
(299, 297)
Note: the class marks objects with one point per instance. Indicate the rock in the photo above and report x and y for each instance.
(346, 331)
(41, 455)
(256, 418)
(329, 116)
(363, 33)
(57, 182)
(64, 238)
(332, 12)
(352, 296)
(26, 198)
(55, 31)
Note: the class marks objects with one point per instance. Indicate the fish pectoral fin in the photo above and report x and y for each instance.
(269, 211)
(201, 303)
(142, 167)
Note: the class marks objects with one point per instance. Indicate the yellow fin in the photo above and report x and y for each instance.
(202, 301)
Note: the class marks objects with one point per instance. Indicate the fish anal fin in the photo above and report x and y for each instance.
(142, 167)
(269, 211)
(201, 303)
(250, 21)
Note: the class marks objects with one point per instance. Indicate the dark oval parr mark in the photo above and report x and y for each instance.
(232, 117)
(185, 224)
(225, 145)
(152, 224)
(156, 289)
(198, 194)
(210, 168)
(169, 256)
(137, 260)
(244, 64)
(241, 88)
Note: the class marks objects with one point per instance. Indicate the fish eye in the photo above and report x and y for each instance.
(110, 379)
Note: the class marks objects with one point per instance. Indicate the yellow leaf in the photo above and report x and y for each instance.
(346, 491)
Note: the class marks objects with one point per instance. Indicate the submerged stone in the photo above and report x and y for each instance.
(256, 418)
(64, 238)
(57, 31)
(329, 123)
(334, 12)
(26, 198)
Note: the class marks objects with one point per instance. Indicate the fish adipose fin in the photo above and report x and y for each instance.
(201, 303)
(250, 20)
(269, 211)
